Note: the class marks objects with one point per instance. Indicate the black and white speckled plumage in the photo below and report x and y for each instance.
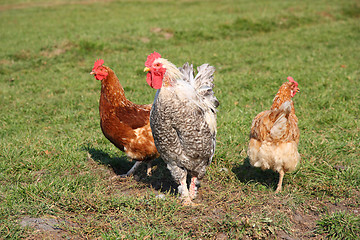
(183, 123)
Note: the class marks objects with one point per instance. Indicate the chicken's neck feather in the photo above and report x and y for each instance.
(172, 74)
(283, 95)
(112, 90)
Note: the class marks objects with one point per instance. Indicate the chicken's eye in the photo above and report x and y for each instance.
(157, 65)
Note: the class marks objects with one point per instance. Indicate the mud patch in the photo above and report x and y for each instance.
(41, 224)
(164, 33)
(45, 228)
(57, 50)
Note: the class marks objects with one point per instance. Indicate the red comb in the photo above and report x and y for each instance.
(290, 79)
(98, 63)
(151, 58)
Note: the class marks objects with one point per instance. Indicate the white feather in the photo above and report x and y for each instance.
(280, 125)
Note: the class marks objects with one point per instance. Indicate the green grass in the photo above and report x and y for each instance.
(49, 121)
(340, 226)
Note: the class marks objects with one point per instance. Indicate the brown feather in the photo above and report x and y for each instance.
(124, 123)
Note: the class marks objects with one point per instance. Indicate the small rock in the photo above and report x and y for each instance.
(298, 218)
(160, 196)
(221, 236)
(224, 170)
(340, 168)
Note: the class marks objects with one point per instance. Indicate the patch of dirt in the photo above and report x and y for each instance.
(57, 50)
(304, 224)
(165, 33)
(6, 62)
(326, 14)
(145, 39)
(45, 228)
(283, 235)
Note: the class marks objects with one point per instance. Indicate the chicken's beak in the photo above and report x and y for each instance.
(298, 90)
(92, 73)
(146, 69)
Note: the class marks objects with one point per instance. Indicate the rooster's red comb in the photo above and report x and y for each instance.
(98, 63)
(292, 80)
(151, 58)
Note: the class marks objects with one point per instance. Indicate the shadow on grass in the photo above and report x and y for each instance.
(247, 173)
(120, 165)
(160, 178)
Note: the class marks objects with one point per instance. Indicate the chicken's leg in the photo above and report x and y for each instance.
(148, 170)
(184, 192)
(180, 176)
(132, 170)
(281, 176)
(193, 188)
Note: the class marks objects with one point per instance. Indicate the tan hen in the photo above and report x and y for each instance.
(274, 135)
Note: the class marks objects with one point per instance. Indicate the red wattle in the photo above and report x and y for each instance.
(148, 79)
(99, 77)
(154, 81)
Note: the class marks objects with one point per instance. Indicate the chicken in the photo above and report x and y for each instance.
(183, 120)
(124, 124)
(274, 135)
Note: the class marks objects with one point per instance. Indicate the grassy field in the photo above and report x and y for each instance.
(56, 167)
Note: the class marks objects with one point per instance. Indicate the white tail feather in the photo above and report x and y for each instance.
(202, 83)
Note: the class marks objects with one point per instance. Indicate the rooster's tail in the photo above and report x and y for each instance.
(203, 82)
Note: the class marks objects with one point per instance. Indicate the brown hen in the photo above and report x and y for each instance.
(124, 124)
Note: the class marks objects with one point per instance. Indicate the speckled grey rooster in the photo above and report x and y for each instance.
(183, 119)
